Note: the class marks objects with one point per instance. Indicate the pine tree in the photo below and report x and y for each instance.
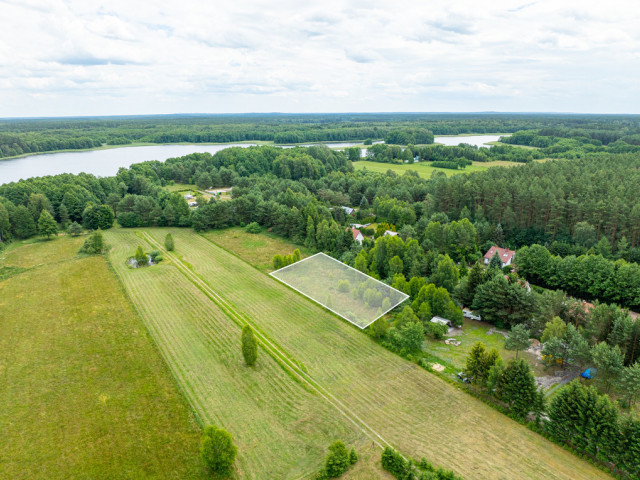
(517, 387)
(310, 240)
(75, 229)
(47, 226)
(609, 362)
(518, 339)
(475, 362)
(249, 346)
(629, 383)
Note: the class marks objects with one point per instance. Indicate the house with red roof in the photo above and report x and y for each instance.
(506, 255)
(357, 235)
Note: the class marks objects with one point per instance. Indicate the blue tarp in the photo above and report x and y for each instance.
(588, 373)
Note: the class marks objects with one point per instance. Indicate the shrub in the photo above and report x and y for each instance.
(249, 346)
(217, 450)
(393, 462)
(155, 254)
(168, 242)
(94, 244)
(344, 286)
(75, 229)
(140, 256)
(253, 227)
(338, 460)
(353, 456)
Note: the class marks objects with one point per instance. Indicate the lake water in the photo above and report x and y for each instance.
(478, 140)
(106, 162)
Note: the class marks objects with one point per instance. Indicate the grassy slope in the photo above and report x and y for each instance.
(414, 410)
(83, 391)
(281, 430)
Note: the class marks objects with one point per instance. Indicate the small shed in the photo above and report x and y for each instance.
(441, 321)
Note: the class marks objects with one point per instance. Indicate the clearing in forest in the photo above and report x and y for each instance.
(390, 399)
(355, 296)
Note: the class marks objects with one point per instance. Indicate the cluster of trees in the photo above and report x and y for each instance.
(587, 276)
(514, 384)
(280, 261)
(338, 461)
(580, 417)
(401, 468)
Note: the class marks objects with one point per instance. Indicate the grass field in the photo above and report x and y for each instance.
(424, 169)
(390, 399)
(281, 429)
(83, 391)
(257, 249)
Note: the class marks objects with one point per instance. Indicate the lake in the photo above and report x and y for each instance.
(478, 140)
(105, 163)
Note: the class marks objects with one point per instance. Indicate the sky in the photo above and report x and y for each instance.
(82, 57)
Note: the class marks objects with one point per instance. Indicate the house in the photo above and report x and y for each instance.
(506, 255)
(188, 197)
(441, 321)
(348, 210)
(357, 235)
(389, 233)
(359, 225)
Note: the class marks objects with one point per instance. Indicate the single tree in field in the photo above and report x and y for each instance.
(249, 346)
(47, 226)
(518, 339)
(94, 244)
(75, 229)
(217, 450)
(168, 242)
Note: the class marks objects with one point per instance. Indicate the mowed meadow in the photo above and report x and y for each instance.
(281, 428)
(322, 378)
(83, 391)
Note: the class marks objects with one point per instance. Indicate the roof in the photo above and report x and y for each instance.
(440, 320)
(505, 254)
(355, 232)
(348, 210)
(391, 233)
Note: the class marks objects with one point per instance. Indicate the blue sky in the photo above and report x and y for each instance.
(139, 57)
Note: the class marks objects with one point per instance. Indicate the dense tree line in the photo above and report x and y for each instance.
(585, 276)
(42, 135)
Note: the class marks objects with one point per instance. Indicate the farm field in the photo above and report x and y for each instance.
(83, 391)
(256, 249)
(395, 401)
(424, 170)
(281, 428)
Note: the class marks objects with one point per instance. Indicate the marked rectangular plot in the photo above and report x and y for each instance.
(345, 291)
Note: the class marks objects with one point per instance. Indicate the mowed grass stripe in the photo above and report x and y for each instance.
(277, 353)
(272, 418)
(418, 412)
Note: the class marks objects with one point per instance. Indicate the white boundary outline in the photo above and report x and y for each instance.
(273, 274)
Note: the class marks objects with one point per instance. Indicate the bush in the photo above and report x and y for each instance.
(168, 242)
(338, 460)
(155, 254)
(353, 456)
(94, 245)
(344, 286)
(393, 462)
(217, 450)
(249, 346)
(75, 229)
(253, 227)
(140, 256)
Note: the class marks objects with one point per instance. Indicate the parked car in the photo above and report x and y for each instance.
(463, 376)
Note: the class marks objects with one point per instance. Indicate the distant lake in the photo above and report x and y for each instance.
(105, 163)
(478, 140)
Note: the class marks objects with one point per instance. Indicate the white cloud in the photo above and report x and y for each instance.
(79, 58)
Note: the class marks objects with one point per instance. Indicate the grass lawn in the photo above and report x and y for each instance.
(400, 403)
(472, 332)
(83, 390)
(424, 169)
(256, 249)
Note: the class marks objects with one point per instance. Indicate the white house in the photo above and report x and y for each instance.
(506, 255)
(389, 233)
(441, 321)
(357, 235)
(348, 210)
(188, 197)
